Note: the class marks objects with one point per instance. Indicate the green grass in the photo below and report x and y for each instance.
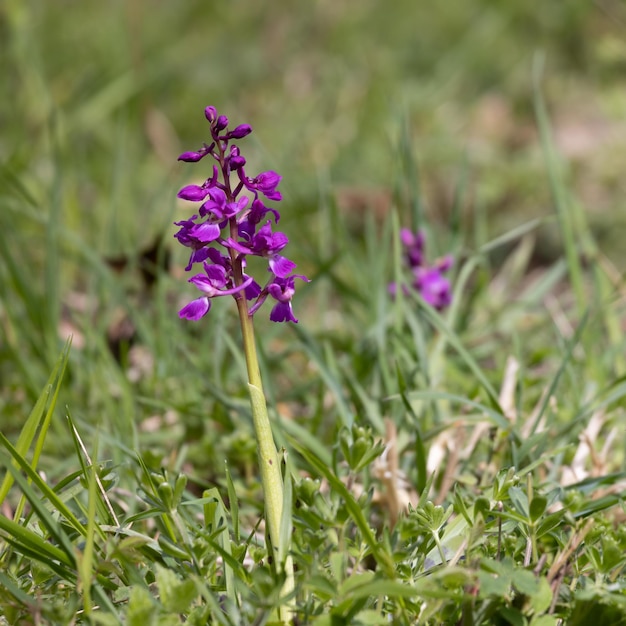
(457, 468)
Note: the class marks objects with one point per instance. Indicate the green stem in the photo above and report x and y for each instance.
(271, 477)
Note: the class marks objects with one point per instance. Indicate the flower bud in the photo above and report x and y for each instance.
(240, 131)
(221, 123)
(235, 160)
(194, 193)
(191, 157)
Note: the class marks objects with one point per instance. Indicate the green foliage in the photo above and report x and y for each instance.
(458, 468)
(488, 556)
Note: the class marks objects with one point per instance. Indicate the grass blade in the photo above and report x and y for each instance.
(47, 491)
(38, 420)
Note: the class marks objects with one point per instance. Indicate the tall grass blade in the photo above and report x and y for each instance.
(52, 525)
(38, 422)
(563, 206)
(34, 478)
(569, 350)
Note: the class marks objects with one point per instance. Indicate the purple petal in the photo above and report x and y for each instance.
(218, 258)
(253, 290)
(279, 241)
(237, 245)
(410, 239)
(203, 284)
(206, 232)
(197, 256)
(266, 183)
(443, 265)
(216, 274)
(282, 289)
(195, 309)
(212, 283)
(435, 289)
(193, 193)
(281, 266)
(245, 229)
(282, 312)
(273, 195)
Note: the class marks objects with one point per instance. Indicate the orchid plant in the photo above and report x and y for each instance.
(231, 224)
(426, 279)
(224, 220)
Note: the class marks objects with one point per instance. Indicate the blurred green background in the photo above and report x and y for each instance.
(99, 98)
(421, 112)
(117, 89)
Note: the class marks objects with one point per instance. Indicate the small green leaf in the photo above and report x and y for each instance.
(505, 479)
(456, 577)
(176, 595)
(172, 549)
(492, 585)
(549, 523)
(513, 616)
(537, 507)
(525, 582)
(322, 586)
(141, 607)
(179, 489)
(612, 555)
(355, 581)
(390, 588)
(306, 490)
(482, 506)
(541, 600)
(104, 619)
(545, 620)
(372, 618)
(520, 501)
(459, 505)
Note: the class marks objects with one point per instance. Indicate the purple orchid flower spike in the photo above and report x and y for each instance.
(428, 280)
(224, 231)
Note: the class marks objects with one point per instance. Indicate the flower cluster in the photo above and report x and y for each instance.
(231, 223)
(428, 280)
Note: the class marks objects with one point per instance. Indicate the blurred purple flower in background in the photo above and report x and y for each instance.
(224, 219)
(428, 280)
